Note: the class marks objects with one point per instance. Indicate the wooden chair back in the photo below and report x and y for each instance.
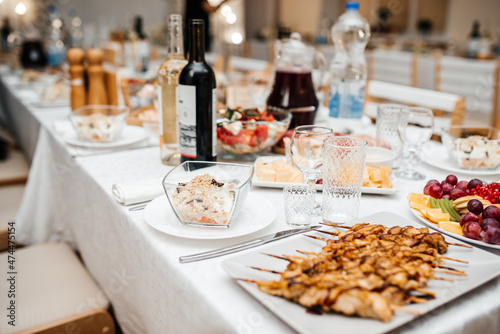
(393, 66)
(449, 109)
(476, 80)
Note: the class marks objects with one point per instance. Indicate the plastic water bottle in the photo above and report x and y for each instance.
(56, 48)
(348, 69)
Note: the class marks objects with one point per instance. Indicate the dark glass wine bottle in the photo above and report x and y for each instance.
(196, 101)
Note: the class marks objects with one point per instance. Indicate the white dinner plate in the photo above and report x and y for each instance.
(267, 184)
(437, 156)
(50, 104)
(256, 214)
(436, 227)
(482, 267)
(131, 134)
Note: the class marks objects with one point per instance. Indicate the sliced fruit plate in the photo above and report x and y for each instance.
(468, 210)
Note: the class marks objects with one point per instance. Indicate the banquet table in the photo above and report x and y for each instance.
(68, 198)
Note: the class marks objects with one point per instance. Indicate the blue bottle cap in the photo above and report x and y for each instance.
(352, 5)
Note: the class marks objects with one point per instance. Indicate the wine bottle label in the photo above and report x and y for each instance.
(186, 107)
(214, 122)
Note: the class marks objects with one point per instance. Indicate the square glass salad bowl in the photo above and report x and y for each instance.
(473, 148)
(99, 123)
(208, 194)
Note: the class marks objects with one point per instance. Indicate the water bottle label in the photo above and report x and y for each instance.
(186, 106)
(358, 101)
(350, 104)
(335, 105)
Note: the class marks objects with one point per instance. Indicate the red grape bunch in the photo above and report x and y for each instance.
(450, 188)
(481, 224)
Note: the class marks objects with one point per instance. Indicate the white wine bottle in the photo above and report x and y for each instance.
(168, 80)
(196, 98)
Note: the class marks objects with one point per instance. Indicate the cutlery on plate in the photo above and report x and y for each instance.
(139, 207)
(245, 245)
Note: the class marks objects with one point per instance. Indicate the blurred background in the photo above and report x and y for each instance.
(417, 25)
(413, 42)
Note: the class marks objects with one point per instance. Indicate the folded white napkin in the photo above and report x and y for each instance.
(137, 192)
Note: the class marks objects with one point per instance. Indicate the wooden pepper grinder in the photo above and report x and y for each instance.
(111, 85)
(97, 87)
(75, 59)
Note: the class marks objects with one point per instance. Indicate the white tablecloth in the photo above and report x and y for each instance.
(69, 198)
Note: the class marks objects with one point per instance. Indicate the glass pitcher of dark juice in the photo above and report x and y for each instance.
(293, 89)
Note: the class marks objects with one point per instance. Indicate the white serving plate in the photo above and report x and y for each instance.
(435, 227)
(257, 213)
(437, 156)
(483, 266)
(131, 134)
(50, 104)
(266, 184)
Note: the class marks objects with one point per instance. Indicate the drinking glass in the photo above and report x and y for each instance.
(415, 128)
(307, 150)
(343, 178)
(387, 130)
(299, 203)
(307, 153)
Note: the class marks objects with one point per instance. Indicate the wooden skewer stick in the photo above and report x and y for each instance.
(246, 280)
(334, 233)
(461, 245)
(417, 300)
(449, 268)
(426, 292)
(452, 259)
(443, 279)
(317, 238)
(266, 270)
(281, 258)
(306, 252)
(451, 272)
(298, 257)
(406, 310)
(336, 225)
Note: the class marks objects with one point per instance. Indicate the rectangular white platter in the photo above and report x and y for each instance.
(267, 184)
(482, 267)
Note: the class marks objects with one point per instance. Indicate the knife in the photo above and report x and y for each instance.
(244, 245)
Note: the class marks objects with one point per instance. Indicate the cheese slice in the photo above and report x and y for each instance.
(268, 175)
(297, 176)
(284, 176)
(280, 163)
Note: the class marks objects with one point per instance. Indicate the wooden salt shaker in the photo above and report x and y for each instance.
(97, 89)
(75, 59)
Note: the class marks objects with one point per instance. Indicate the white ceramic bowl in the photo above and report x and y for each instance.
(379, 156)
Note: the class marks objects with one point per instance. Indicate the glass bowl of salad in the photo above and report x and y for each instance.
(243, 134)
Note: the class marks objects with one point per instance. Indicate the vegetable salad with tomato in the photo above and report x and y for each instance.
(248, 131)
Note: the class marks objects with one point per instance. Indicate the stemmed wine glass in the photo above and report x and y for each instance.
(307, 151)
(415, 128)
